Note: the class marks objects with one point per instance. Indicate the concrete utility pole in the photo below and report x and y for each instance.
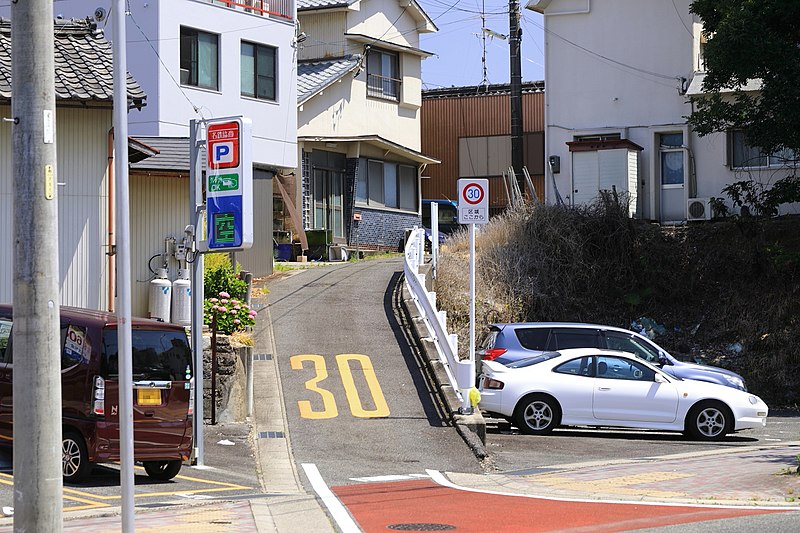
(514, 41)
(38, 480)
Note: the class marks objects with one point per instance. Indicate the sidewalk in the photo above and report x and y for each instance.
(764, 476)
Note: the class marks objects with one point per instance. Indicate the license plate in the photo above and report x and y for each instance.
(148, 396)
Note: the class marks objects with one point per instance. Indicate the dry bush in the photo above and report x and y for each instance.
(711, 285)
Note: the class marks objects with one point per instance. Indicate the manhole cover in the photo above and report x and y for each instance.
(421, 527)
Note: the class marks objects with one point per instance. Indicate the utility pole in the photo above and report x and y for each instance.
(514, 41)
(38, 480)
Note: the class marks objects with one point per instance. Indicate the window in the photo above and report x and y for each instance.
(258, 71)
(609, 367)
(628, 343)
(582, 366)
(76, 346)
(5, 340)
(566, 339)
(745, 155)
(533, 338)
(157, 355)
(199, 59)
(599, 137)
(386, 184)
(383, 75)
(671, 153)
(535, 360)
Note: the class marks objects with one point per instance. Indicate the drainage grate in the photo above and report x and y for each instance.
(262, 357)
(270, 434)
(421, 527)
(155, 505)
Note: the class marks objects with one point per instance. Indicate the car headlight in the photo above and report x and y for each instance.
(735, 381)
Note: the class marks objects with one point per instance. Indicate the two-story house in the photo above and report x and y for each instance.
(359, 98)
(203, 59)
(85, 155)
(620, 80)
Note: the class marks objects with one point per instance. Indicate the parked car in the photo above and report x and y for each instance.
(163, 394)
(593, 387)
(510, 342)
(447, 217)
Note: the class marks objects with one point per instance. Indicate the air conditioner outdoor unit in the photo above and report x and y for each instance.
(698, 209)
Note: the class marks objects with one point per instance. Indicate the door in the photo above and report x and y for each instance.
(626, 390)
(672, 172)
(162, 370)
(328, 197)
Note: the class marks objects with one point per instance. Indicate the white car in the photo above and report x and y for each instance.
(592, 387)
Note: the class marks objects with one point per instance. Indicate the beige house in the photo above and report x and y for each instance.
(359, 141)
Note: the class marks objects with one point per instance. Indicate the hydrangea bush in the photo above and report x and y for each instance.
(232, 314)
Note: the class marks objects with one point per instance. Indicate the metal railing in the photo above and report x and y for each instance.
(435, 321)
(383, 87)
(265, 8)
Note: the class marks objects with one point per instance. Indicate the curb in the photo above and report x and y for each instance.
(472, 428)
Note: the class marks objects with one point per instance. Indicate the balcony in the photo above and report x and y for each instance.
(383, 87)
(283, 9)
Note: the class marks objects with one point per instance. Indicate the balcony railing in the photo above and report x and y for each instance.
(383, 87)
(266, 8)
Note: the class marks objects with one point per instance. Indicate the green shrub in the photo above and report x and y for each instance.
(232, 315)
(220, 277)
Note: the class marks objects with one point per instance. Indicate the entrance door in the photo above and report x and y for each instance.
(329, 201)
(673, 177)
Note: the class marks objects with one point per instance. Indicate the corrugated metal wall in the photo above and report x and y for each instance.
(325, 32)
(82, 136)
(159, 207)
(445, 120)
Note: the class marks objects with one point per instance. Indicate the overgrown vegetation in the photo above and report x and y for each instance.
(726, 291)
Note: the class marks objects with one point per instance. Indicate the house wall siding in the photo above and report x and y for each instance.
(81, 165)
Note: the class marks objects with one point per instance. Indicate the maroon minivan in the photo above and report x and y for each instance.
(162, 397)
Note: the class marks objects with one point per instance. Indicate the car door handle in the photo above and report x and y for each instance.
(603, 388)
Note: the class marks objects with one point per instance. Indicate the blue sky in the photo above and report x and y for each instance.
(458, 49)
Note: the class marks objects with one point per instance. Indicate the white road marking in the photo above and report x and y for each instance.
(440, 479)
(338, 511)
(395, 477)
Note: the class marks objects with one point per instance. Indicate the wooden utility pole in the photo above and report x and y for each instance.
(514, 42)
(38, 481)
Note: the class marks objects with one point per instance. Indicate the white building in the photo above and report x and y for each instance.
(201, 59)
(359, 134)
(620, 75)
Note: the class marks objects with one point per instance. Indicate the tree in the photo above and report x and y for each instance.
(751, 41)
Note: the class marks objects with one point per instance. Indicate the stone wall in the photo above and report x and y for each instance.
(230, 380)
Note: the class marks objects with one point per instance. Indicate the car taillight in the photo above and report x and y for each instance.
(191, 397)
(99, 396)
(490, 354)
(489, 383)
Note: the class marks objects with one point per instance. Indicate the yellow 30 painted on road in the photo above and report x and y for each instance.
(329, 409)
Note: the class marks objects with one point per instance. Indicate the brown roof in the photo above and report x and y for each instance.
(83, 64)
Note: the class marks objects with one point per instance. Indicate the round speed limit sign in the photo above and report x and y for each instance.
(473, 201)
(473, 193)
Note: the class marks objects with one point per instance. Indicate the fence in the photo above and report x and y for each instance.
(435, 321)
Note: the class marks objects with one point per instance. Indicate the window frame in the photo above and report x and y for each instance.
(664, 149)
(366, 196)
(191, 36)
(772, 160)
(381, 84)
(272, 78)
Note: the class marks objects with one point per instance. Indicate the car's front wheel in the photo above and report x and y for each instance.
(537, 414)
(74, 457)
(709, 421)
(162, 470)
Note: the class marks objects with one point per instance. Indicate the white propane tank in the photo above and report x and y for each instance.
(182, 298)
(160, 296)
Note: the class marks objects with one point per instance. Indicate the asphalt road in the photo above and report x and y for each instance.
(366, 414)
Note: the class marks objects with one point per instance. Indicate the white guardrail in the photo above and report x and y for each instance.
(436, 321)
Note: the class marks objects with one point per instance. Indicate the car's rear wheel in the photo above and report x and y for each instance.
(537, 414)
(162, 470)
(709, 421)
(75, 463)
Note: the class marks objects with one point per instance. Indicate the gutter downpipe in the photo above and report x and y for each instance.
(110, 237)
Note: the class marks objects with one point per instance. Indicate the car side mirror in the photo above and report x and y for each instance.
(662, 359)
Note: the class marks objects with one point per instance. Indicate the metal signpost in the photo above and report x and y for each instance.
(228, 212)
(473, 208)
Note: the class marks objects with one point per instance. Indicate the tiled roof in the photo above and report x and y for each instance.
(322, 4)
(173, 154)
(83, 64)
(315, 75)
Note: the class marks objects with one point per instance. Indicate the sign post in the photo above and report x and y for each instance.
(229, 185)
(473, 208)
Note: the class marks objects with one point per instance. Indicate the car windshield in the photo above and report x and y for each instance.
(528, 361)
(158, 354)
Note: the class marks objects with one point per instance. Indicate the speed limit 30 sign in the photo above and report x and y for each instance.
(473, 201)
